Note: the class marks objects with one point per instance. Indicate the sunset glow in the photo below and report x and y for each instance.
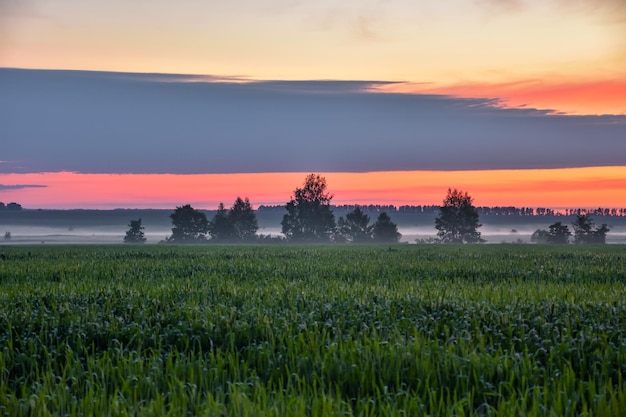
(156, 104)
(558, 188)
(576, 97)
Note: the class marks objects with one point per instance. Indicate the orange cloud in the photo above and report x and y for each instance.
(569, 97)
(553, 188)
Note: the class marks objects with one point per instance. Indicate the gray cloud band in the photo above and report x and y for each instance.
(145, 123)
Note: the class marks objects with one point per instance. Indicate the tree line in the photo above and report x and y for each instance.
(309, 218)
(10, 206)
(482, 210)
(585, 232)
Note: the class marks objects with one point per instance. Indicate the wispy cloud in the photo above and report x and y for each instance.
(20, 186)
(610, 11)
(365, 22)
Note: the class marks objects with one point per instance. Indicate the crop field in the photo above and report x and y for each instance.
(407, 330)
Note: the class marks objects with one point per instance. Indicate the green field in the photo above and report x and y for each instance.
(507, 330)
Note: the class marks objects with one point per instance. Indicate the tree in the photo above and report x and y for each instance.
(237, 224)
(384, 230)
(540, 236)
(309, 216)
(458, 219)
(220, 227)
(190, 225)
(7, 235)
(135, 232)
(14, 206)
(558, 233)
(243, 220)
(584, 232)
(355, 227)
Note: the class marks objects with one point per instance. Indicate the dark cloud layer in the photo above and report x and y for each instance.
(147, 123)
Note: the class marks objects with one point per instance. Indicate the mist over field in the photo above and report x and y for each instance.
(109, 226)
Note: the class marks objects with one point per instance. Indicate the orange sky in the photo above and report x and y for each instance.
(554, 188)
(567, 56)
(570, 97)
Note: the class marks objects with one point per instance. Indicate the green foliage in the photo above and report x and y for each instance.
(135, 232)
(309, 216)
(511, 330)
(190, 225)
(458, 219)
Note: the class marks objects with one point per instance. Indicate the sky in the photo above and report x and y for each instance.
(518, 102)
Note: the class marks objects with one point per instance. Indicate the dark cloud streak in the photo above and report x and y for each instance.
(116, 123)
(19, 187)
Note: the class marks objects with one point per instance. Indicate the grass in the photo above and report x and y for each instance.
(506, 330)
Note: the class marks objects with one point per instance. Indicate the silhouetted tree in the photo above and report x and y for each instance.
(135, 232)
(458, 219)
(2, 206)
(237, 224)
(599, 235)
(14, 206)
(584, 232)
(540, 236)
(354, 228)
(7, 235)
(309, 216)
(220, 227)
(384, 230)
(190, 225)
(558, 233)
(243, 220)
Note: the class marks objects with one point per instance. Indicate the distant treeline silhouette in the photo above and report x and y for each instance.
(434, 209)
(10, 206)
(483, 211)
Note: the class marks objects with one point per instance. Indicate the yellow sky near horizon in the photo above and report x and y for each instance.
(445, 44)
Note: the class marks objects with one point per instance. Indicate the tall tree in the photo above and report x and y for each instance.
(584, 231)
(355, 227)
(234, 225)
(243, 220)
(190, 225)
(135, 232)
(309, 216)
(237, 224)
(220, 227)
(384, 230)
(458, 219)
